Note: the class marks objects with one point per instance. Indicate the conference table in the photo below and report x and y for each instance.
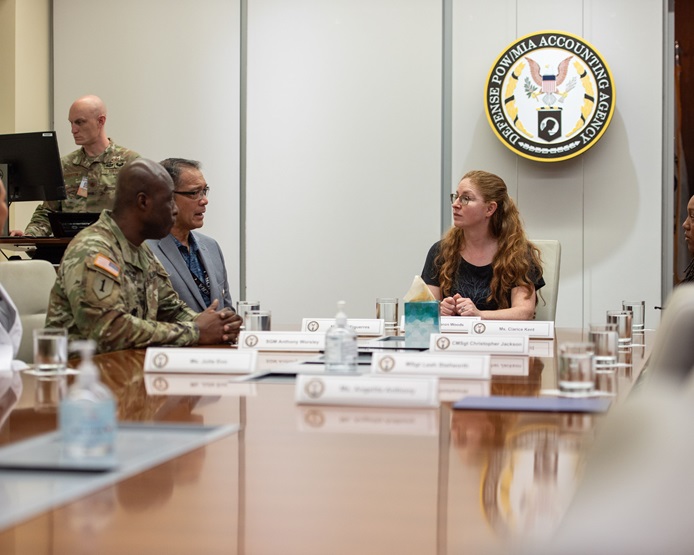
(311, 479)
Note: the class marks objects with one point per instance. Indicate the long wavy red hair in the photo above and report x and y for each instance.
(516, 257)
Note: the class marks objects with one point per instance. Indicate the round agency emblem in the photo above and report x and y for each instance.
(479, 327)
(160, 360)
(443, 343)
(251, 340)
(550, 96)
(314, 388)
(386, 364)
(312, 326)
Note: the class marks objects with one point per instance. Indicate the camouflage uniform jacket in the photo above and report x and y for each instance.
(117, 294)
(100, 174)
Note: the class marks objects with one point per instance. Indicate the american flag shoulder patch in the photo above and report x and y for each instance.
(106, 264)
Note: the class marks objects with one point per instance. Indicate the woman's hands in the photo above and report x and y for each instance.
(458, 306)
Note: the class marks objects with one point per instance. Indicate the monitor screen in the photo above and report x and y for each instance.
(30, 166)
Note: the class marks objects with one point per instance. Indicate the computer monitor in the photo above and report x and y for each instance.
(30, 166)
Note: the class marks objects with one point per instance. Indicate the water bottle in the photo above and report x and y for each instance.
(340, 344)
(87, 414)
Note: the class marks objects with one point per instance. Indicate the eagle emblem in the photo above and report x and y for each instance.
(548, 83)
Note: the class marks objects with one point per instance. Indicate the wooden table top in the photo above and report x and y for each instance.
(318, 480)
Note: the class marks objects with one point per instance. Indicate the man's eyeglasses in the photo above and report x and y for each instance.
(464, 199)
(194, 195)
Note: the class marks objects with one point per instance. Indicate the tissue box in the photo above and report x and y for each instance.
(421, 320)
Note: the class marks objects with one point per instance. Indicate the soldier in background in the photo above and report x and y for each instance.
(89, 172)
(112, 289)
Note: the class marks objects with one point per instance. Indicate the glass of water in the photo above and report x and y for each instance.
(258, 320)
(605, 337)
(50, 350)
(576, 370)
(387, 309)
(243, 307)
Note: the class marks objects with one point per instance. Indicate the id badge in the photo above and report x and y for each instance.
(82, 189)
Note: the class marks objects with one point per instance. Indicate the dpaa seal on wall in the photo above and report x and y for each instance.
(549, 96)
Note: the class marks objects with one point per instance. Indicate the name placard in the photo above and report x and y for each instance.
(533, 329)
(370, 391)
(361, 326)
(457, 324)
(430, 364)
(205, 361)
(488, 344)
(366, 420)
(281, 341)
(187, 384)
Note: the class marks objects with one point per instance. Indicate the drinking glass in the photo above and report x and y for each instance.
(576, 371)
(638, 309)
(258, 320)
(50, 350)
(387, 309)
(242, 308)
(623, 320)
(606, 340)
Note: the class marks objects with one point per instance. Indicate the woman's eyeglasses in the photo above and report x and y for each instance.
(464, 199)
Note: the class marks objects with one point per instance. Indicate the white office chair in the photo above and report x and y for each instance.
(551, 262)
(29, 283)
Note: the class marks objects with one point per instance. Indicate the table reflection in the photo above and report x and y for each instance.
(527, 464)
(530, 465)
(10, 392)
(524, 386)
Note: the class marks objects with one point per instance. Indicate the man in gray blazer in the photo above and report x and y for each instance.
(194, 261)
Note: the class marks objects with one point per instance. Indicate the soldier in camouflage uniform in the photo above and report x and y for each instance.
(90, 172)
(111, 288)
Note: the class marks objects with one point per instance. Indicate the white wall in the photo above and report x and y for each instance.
(169, 74)
(343, 151)
(344, 136)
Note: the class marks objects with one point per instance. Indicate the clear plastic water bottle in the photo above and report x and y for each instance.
(87, 414)
(340, 344)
